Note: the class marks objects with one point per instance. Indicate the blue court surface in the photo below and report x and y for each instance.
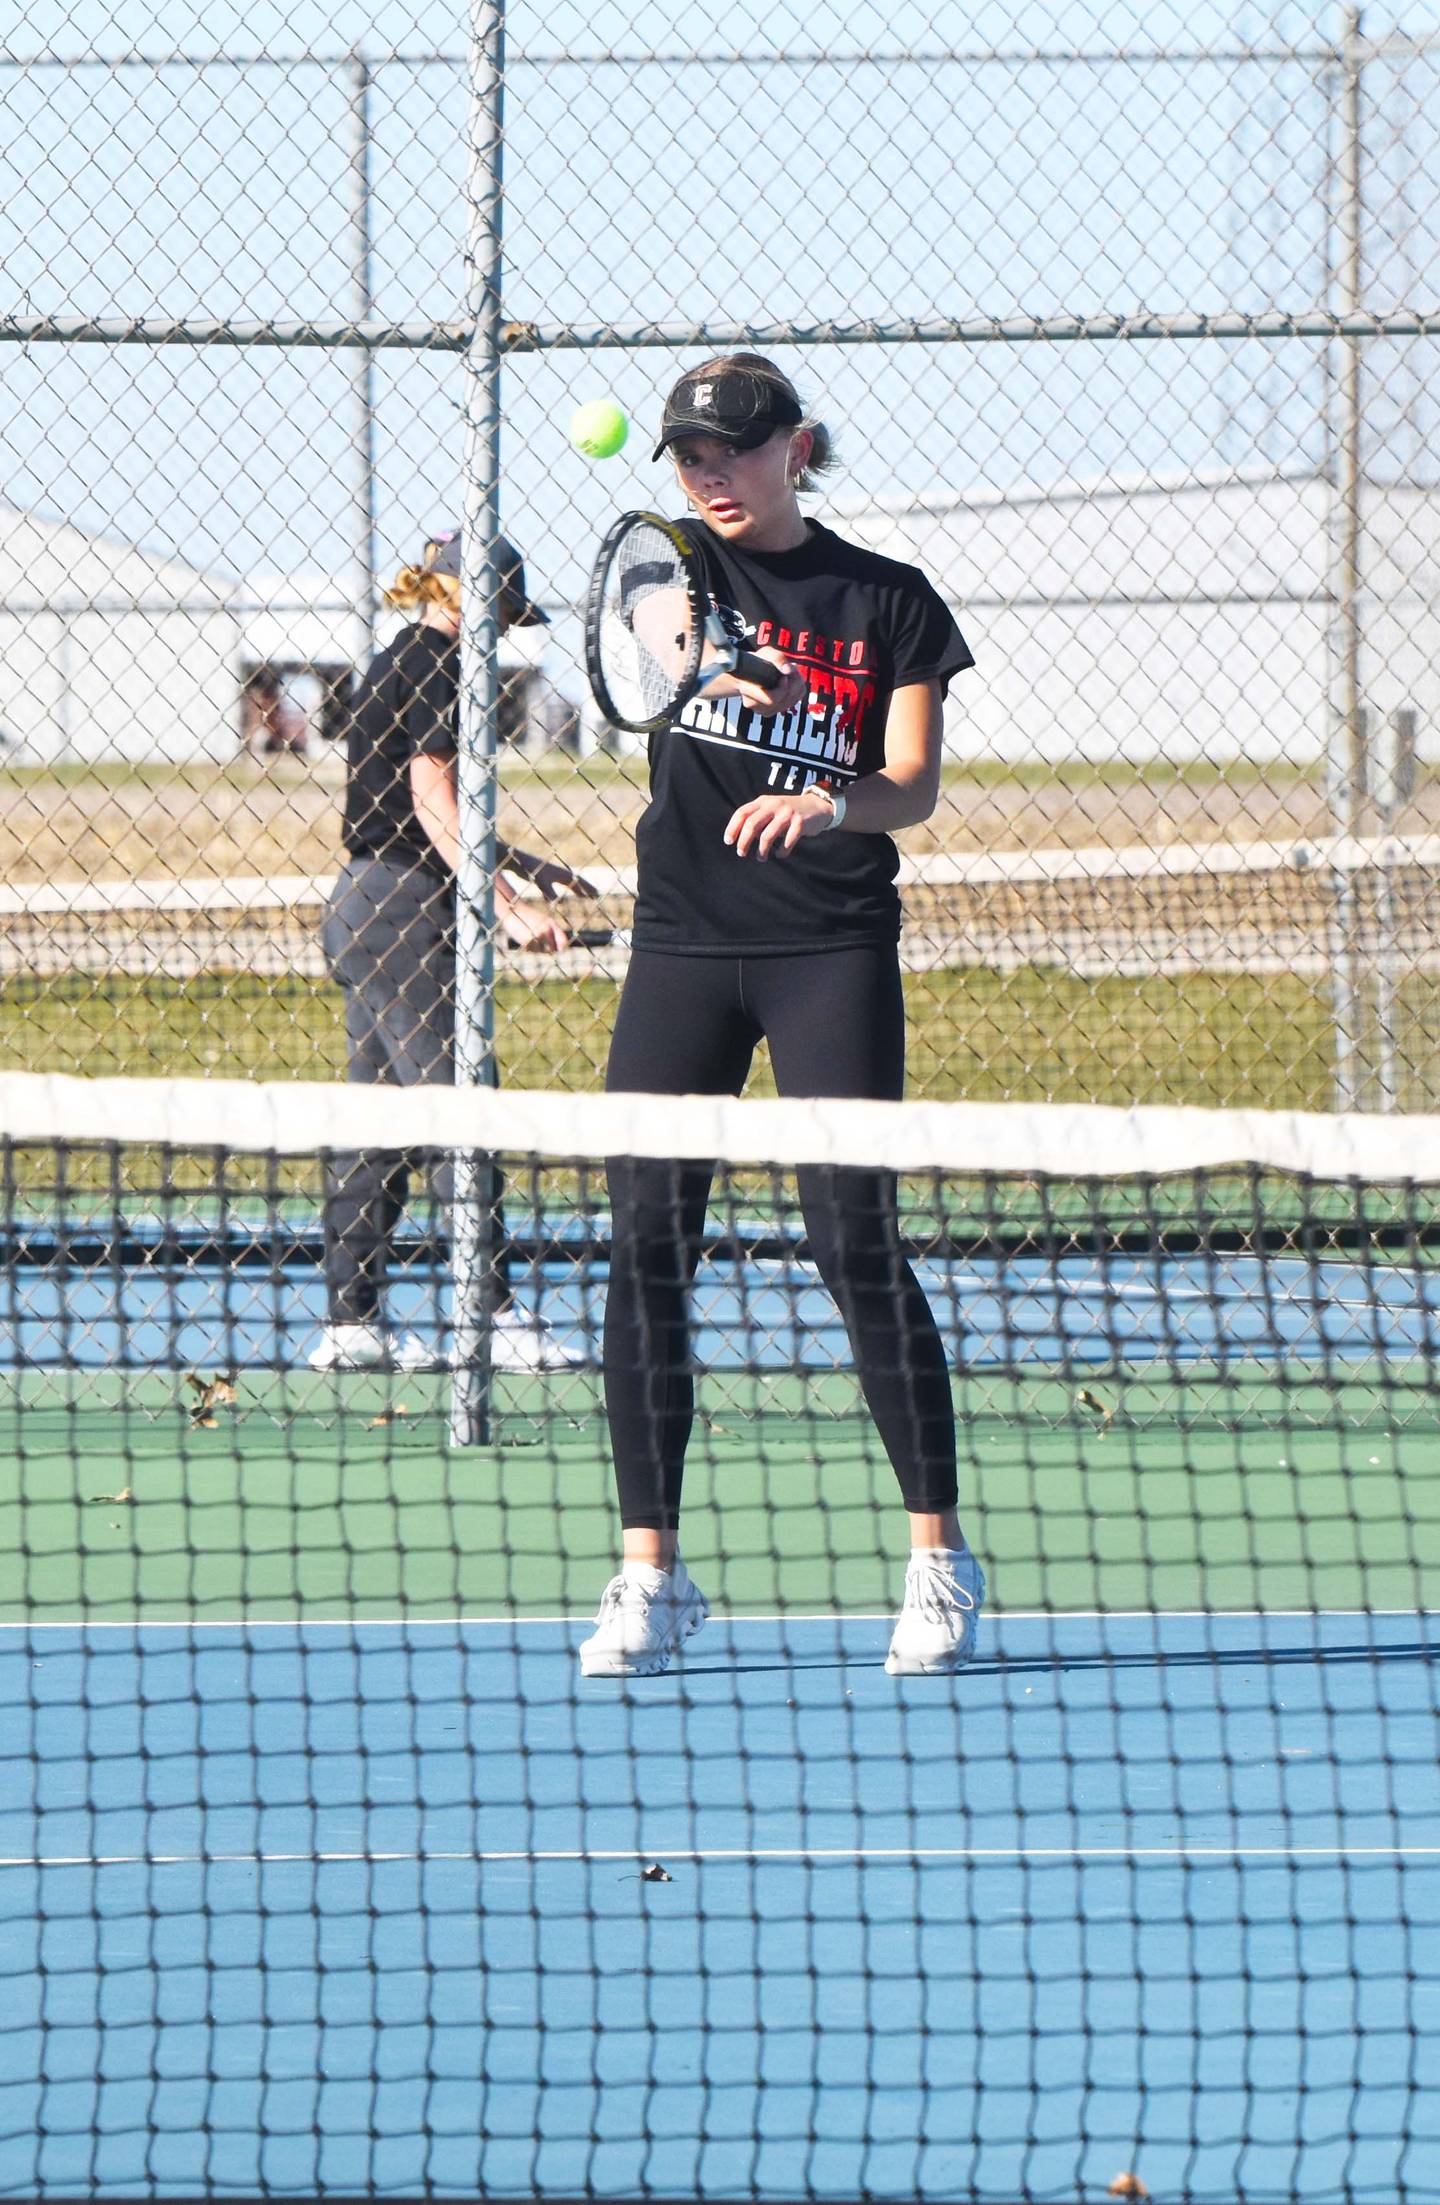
(1025, 1310)
(362, 1906)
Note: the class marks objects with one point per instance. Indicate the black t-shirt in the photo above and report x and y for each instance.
(859, 626)
(407, 707)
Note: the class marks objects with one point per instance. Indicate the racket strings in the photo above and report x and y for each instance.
(647, 637)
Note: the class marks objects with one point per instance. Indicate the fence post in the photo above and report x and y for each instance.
(1392, 760)
(363, 300)
(1345, 737)
(475, 1223)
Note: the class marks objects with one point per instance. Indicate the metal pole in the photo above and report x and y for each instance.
(1389, 756)
(1345, 747)
(363, 372)
(474, 1226)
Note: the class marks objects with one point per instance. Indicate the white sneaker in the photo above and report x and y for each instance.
(370, 1347)
(645, 1617)
(936, 1628)
(520, 1340)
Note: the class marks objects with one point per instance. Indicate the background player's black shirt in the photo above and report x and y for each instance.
(407, 707)
(859, 627)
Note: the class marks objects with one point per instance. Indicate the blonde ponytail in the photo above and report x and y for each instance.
(416, 587)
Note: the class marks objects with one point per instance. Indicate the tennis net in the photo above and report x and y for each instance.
(323, 1870)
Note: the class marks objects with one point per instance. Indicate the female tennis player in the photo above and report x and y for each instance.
(766, 906)
(389, 940)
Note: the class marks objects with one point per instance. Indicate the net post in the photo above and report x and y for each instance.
(473, 1230)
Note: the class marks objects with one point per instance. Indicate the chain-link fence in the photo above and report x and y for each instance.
(1126, 327)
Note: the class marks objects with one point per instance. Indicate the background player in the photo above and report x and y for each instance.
(390, 943)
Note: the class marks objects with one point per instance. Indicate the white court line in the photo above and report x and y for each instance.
(805, 1853)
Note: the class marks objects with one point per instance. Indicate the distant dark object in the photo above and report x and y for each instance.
(284, 703)
(271, 722)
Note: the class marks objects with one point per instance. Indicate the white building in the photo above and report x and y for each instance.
(1176, 620)
(1143, 620)
(110, 652)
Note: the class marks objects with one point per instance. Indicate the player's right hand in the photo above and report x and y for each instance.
(791, 691)
(784, 698)
(532, 926)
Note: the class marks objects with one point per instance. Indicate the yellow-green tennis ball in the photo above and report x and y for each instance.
(598, 429)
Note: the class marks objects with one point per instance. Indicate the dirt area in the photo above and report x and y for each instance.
(112, 823)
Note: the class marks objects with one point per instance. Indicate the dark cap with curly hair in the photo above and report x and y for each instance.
(442, 556)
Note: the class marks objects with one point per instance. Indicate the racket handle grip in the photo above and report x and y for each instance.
(762, 671)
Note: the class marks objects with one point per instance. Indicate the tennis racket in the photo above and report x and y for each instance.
(652, 641)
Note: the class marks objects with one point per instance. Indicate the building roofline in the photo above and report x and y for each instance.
(1070, 492)
(127, 544)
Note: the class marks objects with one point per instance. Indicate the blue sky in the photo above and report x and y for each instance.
(771, 190)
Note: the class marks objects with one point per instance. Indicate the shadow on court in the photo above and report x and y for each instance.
(1219, 1657)
(1242, 1657)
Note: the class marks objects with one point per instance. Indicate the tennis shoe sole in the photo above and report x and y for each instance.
(617, 1663)
(898, 1666)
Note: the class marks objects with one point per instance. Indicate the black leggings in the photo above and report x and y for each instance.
(835, 1023)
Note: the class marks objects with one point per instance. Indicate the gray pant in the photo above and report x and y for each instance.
(389, 940)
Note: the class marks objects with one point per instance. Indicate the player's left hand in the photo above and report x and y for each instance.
(771, 825)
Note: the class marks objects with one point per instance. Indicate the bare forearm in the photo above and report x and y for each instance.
(906, 788)
(883, 802)
(900, 794)
(443, 835)
(435, 791)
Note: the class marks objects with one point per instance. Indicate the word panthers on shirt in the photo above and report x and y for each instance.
(858, 627)
(825, 730)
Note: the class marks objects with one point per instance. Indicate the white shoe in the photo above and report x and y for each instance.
(645, 1617)
(370, 1347)
(936, 1628)
(520, 1340)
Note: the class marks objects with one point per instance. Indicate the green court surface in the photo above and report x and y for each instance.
(1313, 1500)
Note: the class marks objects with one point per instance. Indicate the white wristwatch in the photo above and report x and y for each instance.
(837, 811)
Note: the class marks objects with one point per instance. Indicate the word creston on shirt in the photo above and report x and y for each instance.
(407, 707)
(858, 626)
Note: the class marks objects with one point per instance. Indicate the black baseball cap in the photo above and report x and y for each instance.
(442, 556)
(740, 408)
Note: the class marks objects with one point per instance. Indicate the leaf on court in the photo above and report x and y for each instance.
(388, 1416)
(115, 1499)
(656, 1874)
(1127, 2185)
(1085, 1399)
(210, 1394)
